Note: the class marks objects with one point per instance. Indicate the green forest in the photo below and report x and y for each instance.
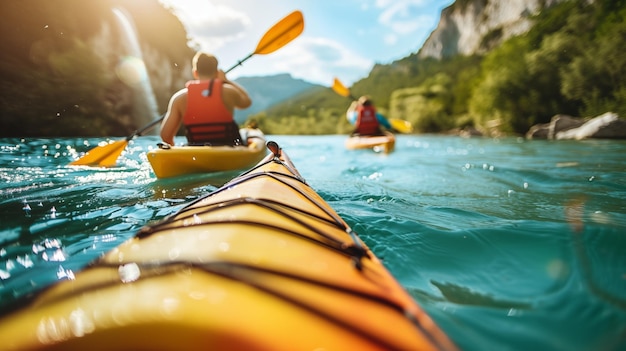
(571, 62)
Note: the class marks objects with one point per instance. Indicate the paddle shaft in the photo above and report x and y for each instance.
(278, 36)
(146, 128)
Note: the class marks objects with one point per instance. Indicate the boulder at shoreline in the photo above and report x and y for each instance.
(563, 127)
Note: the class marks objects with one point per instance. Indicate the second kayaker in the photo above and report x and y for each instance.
(363, 115)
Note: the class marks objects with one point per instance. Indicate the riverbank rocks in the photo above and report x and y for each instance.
(563, 127)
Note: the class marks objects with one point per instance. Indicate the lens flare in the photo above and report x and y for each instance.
(132, 71)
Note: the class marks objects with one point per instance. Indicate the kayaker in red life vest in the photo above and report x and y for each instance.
(205, 106)
(362, 114)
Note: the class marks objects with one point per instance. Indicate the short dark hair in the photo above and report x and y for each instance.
(205, 64)
(365, 100)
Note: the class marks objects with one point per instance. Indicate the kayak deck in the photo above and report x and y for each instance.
(172, 161)
(379, 143)
(263, 263)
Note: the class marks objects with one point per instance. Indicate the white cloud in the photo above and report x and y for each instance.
(317, 60)
(326, 59)
(391, 39)
(403, 17)
(387, 3)
(211, 26)
(225, 23)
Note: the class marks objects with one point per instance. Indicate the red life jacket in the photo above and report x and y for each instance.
(366, 121)
(207, 119)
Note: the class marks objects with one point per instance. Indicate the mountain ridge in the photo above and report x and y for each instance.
(266, 91)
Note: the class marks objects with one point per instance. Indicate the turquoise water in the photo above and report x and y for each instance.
(507, 244)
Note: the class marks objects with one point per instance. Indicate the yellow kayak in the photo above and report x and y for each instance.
(173, 161)
(379, 143)
(263, 263)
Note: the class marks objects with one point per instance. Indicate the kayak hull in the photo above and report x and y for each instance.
(379, 143)
(263, 263)
(174, 161)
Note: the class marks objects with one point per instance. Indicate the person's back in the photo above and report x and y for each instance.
(207, 119)
(206, 106)
(366, 121)
(363, 115)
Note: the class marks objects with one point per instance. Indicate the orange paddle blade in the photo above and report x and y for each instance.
(401, 125)
(340, 89)
(103, 155)
(281, 33)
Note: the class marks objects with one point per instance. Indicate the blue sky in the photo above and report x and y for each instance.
(341, 38)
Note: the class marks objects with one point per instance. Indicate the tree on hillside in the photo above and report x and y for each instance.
(427, 107)
(597, 77)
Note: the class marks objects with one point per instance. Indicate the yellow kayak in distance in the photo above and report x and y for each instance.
(173, 161)
(262, 263)
(379, 143)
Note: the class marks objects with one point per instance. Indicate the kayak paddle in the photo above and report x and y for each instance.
(341, 89)
(287, 29)
(105, 155)
(400, 125)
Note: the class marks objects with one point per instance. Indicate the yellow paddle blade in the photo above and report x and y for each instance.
(400, 125)
(281, 33)
(340, 89)
(103, 155)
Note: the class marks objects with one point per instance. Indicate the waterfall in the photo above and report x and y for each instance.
(131, 70)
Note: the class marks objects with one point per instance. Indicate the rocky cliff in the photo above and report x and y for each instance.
(475, 26)
(73, 67)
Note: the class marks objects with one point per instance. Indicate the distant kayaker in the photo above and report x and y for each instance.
(363, 115)
(205, 106)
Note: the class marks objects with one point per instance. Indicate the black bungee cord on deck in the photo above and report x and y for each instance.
(354, 249)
